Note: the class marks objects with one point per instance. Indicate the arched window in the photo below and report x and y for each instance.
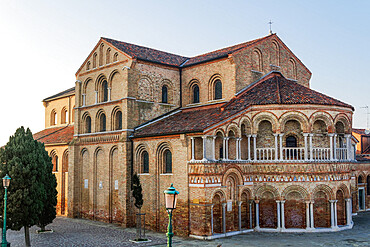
(167, 161)
(118, 120)
(103, 122)
(292, 69)
(145, 162)
(218, 89)
(55, 163)
(115, 57)
(105, 91)
(257, 60)
(88, 124)
(291, 142)
(360, 180)
(88, 64)
(164, 94)
(107, 56)
(64, 115)
(101, 54)
(94, 60)
(53, 117)
(196, 94)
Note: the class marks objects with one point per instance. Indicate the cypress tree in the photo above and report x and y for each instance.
(27, 163)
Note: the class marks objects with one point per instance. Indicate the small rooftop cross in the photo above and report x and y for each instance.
(270, 23)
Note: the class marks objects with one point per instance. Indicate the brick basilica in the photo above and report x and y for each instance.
(238, 131)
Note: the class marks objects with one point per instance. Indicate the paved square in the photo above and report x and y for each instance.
(79, 232)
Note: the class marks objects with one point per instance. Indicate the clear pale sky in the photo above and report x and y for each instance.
(44, 43)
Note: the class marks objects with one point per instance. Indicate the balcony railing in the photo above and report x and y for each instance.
(293, 153)
(265, 153)
(320, 154)
(341, 153)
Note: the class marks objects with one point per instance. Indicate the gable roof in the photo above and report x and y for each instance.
(272, 89)
(147, 54)
(56, 135)
(68, 92)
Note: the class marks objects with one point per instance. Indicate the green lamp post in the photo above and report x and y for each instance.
(6, 182)
(170, 197)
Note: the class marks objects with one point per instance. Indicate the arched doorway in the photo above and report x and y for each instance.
(341, 208)
(295, 210)
(268, 210)
(321, 209)
(217, 213)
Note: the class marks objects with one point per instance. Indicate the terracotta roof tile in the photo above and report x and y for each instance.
(57, 135)
(272, 89)
(70, 91)
(148, 54)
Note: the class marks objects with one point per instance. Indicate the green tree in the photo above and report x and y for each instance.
(27, 163)
(137, 191)
(49, 212)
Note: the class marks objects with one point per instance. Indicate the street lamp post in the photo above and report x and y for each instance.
(170, 196)
(6, 182)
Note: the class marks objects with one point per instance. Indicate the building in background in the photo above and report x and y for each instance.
(57, 135)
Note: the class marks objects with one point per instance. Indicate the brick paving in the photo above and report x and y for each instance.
(79, 232)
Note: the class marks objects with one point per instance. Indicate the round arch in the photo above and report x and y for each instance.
(266, 188)
(295, 188)
(294, 115)
(324, 188)
(323, 116)
(269, 116)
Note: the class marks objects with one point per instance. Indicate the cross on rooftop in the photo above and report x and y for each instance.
(270, 23)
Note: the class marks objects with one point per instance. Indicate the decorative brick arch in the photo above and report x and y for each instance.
(230, 171)
(257, 119)
(111, 75)
(246, 191)
(219, 192)
(211, 86)
(145, 88)
(235, 128)
(295, 188)
(345, 120)
(345, 190)
(294, 115)
(324, 188)
(160, 152)
(138, 156)
(323, 116)
(266, 188)
(247, 124)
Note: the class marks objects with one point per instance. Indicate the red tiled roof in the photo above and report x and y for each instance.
(57, 135)
(272, 89)
(221, 52)
(359, 131)
(147, 54)
(70, 91)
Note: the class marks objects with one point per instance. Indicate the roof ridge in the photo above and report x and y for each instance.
(60, 128)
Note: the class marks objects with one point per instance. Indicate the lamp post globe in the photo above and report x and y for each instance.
(170, 196)
(6, 183)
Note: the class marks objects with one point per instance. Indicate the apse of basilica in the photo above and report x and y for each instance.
(238, 131)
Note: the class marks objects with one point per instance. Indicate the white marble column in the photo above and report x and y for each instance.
(311, 148)
(335, 147)
(331, 146)
(332, 224)
(227, 148)
(224, 217)
(212, 219)
(109, 93)
(250, 214)
(348, 146)
(192, 149)
(214, 147)
(311, 215)
(282, 215)
(335, 214)
(278, 215)
(257, 214)
(276, 146)
(281, 146)
(348, 211)
(305, 146)
(254, 147)
(96, 97)
(308, 215)
(83, 99)
(204, 148)
(224, 148)
(240, 215)
(238, 149)
(249, 147)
